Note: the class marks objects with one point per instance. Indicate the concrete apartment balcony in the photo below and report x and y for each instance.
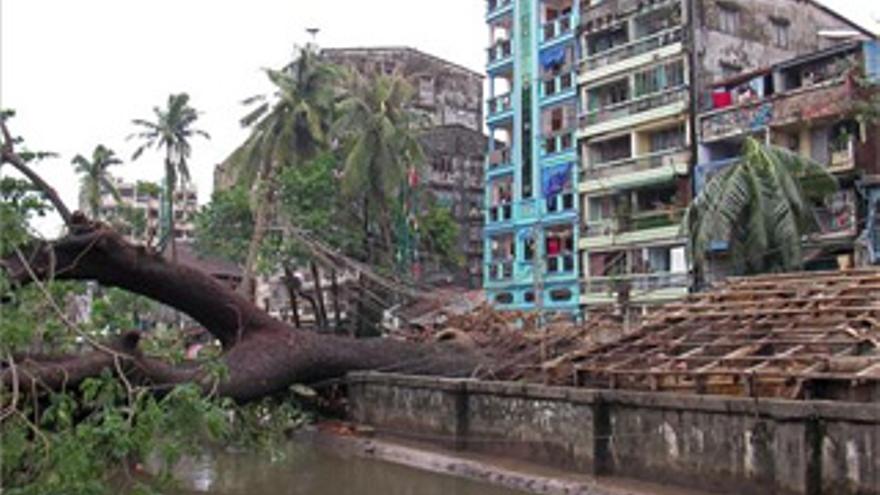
(499, 214)
(497, 9)
(843, 160)
(561, 205)
(644, 288)
(558, 144)
(629, 173)
(819, 101)
(499, 271)
(558, 30)
(634, 112)
(561, 266)
(558, 88)
(837, 219)
(499, 109)
(500, 56)
(499, 162)
(626, 57)
(640, 228)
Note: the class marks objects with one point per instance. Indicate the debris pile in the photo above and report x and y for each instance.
(796, 336)
(809, 335)
(521, 347)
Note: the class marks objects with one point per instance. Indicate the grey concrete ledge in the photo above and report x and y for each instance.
(770, 408)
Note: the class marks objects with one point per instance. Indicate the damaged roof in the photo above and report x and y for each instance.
(795, 336)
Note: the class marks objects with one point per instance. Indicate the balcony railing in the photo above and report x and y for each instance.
(634, 106)
(560, 264)
(785, 108)
(737, 120)
(500, 213)
(639, 283)
(635, 222)
(633, 49)
(561, 203)
(502, 50)
(654, 219)
(499, 158)
(559, 143)
(599, 228)
(558, 84)
(556, 28)
(497, 6)
(843, 159)
(500, 270)
(636, 164)
(500, 104)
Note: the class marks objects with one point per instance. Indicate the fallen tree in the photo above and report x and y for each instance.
(261, 354)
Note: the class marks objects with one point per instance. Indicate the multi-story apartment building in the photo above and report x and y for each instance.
(811, 105)
(137, 211)
(446, 93)
(593, 108)
(532, 222)
(454, 177)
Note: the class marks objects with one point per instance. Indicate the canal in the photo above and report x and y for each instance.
(307, 469)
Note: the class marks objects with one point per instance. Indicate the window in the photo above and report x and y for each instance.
(780, 31)
(660, 78)
(668, 139)
(504, 298)
(728, 18)
(556, 119)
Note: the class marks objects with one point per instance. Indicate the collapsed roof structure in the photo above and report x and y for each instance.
(797, 336)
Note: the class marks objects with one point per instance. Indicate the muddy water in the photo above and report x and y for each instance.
(310, 470)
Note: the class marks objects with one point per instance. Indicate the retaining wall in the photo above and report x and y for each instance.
(726, 445)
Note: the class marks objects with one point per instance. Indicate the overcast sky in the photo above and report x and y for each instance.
(78, 71)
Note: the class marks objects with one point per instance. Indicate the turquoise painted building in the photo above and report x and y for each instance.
(601, 127)
(532, 222)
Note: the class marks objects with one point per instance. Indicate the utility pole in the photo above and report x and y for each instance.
(538, 288)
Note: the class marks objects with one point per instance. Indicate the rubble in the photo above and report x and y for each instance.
(798, 336)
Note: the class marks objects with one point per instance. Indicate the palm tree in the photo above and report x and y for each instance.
(379, 130)
(762, 207)
(291, 129)
(171, 131)
(96, 177)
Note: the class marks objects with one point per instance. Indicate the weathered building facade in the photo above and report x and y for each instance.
(453, 175)
(627, 138)
(811, 106)
(446, 93)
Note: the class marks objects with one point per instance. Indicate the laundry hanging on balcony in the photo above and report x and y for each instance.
(553, 57)
(556, 179)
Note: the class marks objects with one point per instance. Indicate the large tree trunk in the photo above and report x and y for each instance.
(170, 185)
(263, 355)
(262, 199)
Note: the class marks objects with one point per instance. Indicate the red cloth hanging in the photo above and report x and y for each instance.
(722, 99)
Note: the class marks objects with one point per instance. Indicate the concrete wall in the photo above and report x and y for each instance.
(753, 45)
(726, 445)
